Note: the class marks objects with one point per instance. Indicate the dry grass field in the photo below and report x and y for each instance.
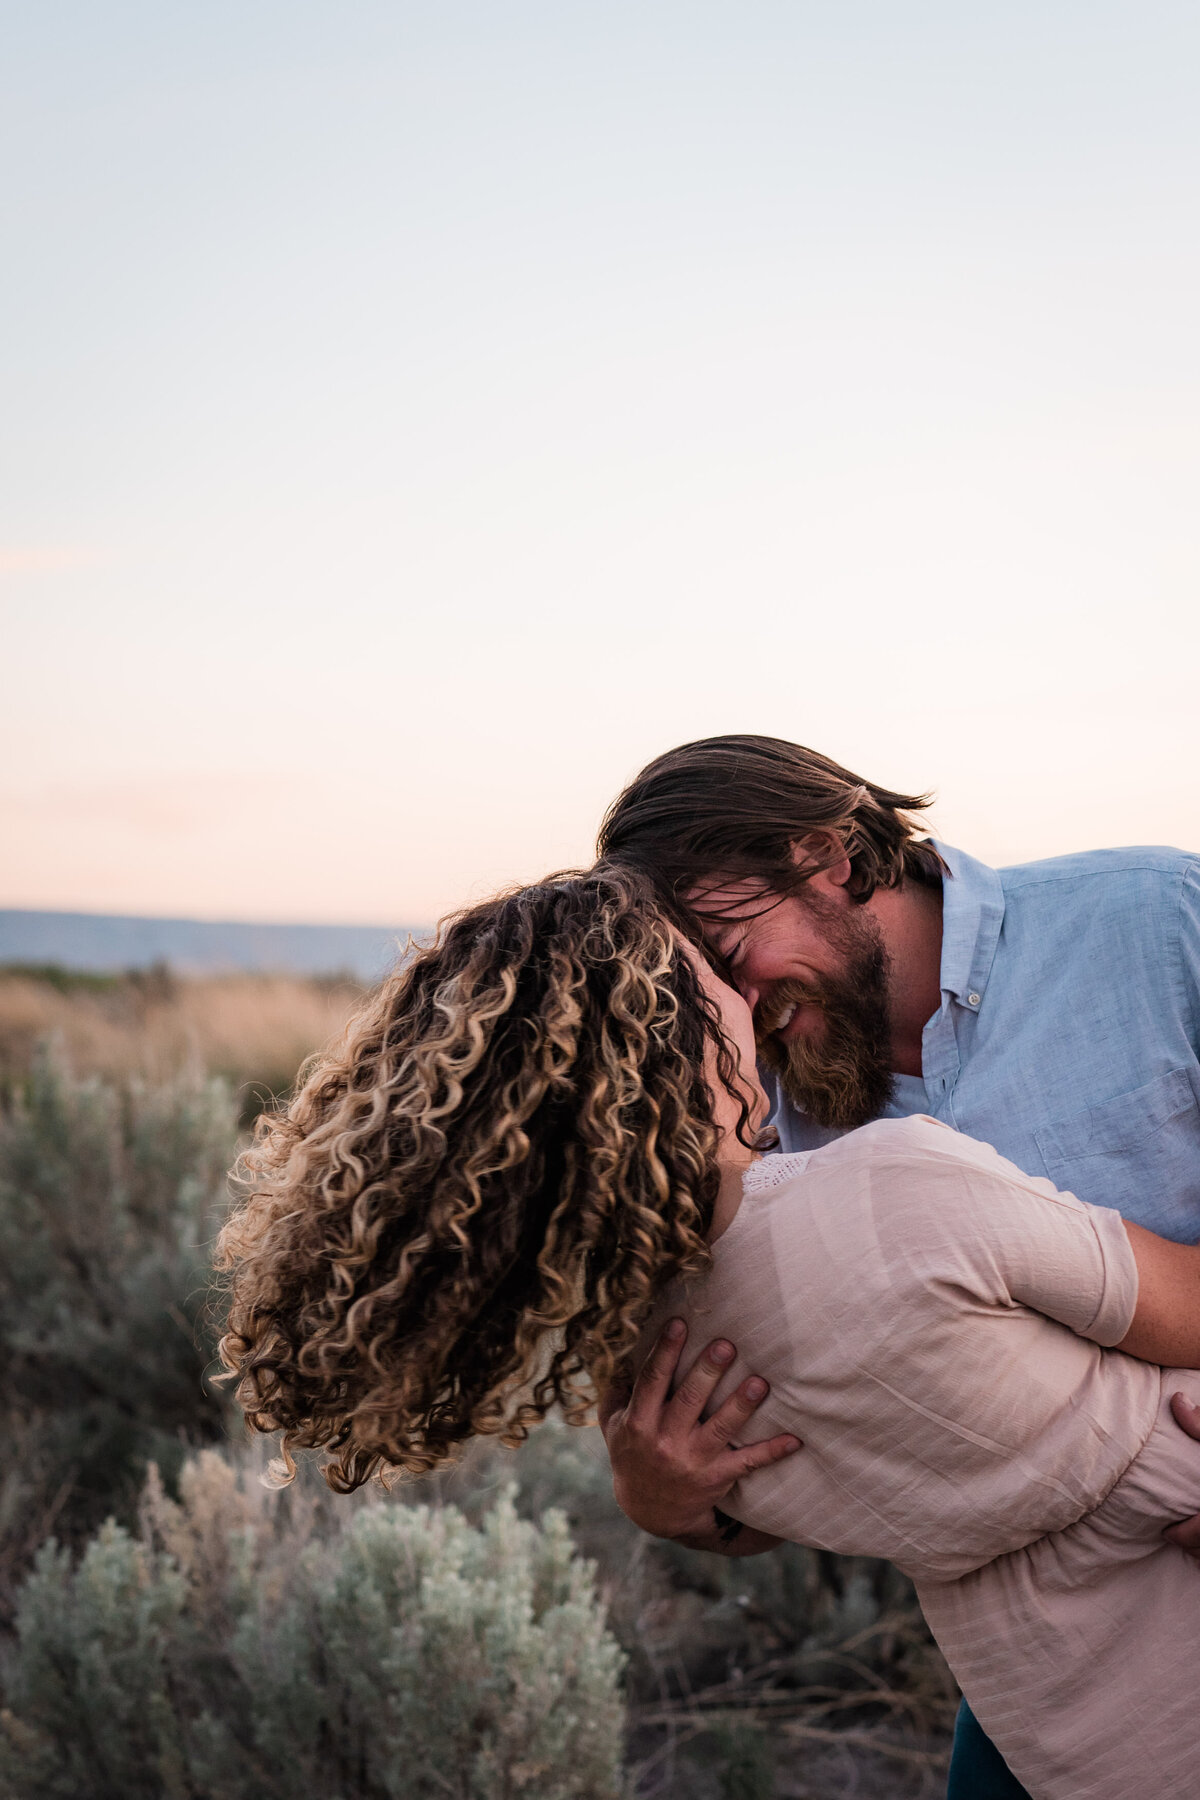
(254, 1030)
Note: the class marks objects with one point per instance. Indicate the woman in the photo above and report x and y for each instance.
(536, 1138)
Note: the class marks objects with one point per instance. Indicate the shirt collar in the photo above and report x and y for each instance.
(972, 913)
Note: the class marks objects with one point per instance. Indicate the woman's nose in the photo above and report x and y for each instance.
(749, 992)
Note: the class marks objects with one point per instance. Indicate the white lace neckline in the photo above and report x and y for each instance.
(772, 1171)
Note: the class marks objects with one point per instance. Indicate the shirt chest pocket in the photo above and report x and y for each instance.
(1139, 1152)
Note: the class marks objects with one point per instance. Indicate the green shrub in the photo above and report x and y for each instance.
(253, 1645)
(90, 1711)
(109, 1200)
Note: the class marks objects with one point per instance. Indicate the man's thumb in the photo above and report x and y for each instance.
(613, 1400)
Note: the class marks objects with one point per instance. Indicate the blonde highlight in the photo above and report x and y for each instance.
(465, 1214)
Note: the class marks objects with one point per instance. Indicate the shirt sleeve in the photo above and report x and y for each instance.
(1189, 947)
(1013, 1239)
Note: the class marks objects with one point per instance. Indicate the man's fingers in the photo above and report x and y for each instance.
(733, 1464)
(614, 1399)
(1187, 1536)
(654, 1377)
(731, 1416)
(1186, 1414)
(771, 1450)
(694, 1391)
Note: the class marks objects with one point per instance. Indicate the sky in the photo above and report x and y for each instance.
(413, 417)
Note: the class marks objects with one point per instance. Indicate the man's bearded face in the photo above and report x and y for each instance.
(838, 1072)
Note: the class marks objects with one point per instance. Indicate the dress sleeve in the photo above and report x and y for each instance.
(1099, 1306)
(1014, 1239)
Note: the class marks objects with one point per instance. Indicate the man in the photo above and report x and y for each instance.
(1052, 1010)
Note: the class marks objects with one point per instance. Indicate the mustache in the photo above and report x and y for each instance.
(783, 998)
(843, 1078)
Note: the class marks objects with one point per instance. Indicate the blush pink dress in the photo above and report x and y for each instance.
(932, 1323)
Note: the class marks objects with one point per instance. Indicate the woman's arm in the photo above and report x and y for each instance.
(1166, 1321)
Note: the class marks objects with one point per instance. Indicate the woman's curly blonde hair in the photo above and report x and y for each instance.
(469, 1207)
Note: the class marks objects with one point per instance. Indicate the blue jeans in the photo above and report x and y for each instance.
(977, 1769)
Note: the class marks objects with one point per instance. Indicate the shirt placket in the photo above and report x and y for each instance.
(940, 1060)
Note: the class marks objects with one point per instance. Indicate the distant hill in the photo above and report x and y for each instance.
(106, 943)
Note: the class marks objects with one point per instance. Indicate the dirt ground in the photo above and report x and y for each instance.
(792, 1765)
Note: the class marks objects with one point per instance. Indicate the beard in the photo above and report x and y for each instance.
(845, 1079)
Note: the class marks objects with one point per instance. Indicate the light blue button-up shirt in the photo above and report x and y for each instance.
(1069, 1028)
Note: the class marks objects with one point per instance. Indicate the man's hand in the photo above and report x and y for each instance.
(670, 1467)
(1187, 1417)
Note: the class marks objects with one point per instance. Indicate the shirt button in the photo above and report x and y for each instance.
(972, 999)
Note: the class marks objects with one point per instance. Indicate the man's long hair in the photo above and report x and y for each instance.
(730, 809)
(467, 1211)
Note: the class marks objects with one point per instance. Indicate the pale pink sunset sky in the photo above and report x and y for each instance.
(417, 416)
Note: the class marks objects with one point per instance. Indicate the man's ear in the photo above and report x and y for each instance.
(825, 853)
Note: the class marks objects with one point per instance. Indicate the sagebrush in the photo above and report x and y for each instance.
(244, 1647)
(110, 1197)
